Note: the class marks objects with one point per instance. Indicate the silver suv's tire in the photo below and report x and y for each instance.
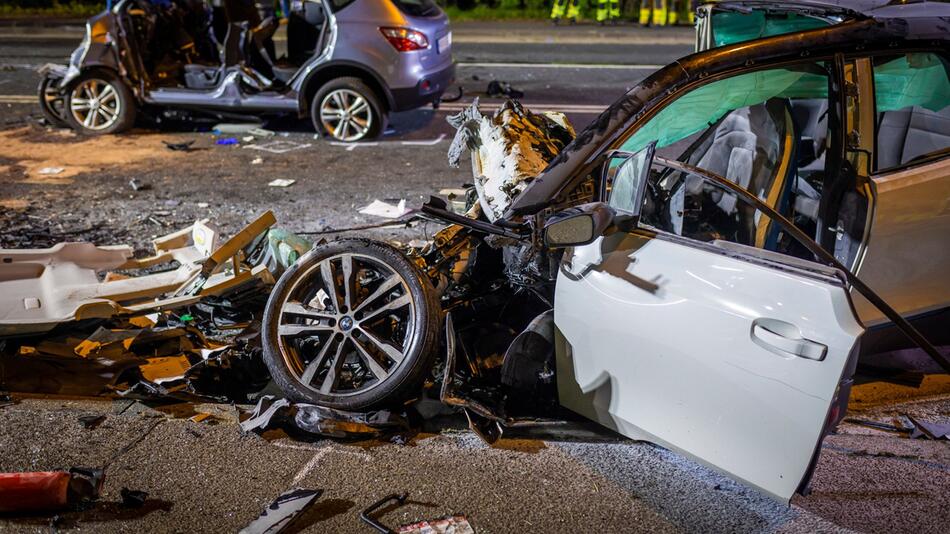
(99, 103)
(353, 325)
(347, 110)
(52, 103)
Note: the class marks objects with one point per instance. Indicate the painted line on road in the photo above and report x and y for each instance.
(445, 106)
(19, 99)
(308, 467)
(412, 142)
(599, 66)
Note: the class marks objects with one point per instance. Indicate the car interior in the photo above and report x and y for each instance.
(774, 146)
(183, 43)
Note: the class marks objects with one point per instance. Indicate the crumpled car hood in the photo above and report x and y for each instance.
(509, 149)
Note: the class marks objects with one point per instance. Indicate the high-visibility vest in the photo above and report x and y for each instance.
(607, 9)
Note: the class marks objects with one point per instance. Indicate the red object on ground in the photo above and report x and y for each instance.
(45, 490)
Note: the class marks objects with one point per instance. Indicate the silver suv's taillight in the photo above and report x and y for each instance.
(405, 39)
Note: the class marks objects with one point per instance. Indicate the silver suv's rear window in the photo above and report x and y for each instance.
(417, 8)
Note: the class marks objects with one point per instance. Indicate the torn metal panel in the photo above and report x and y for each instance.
(281, 513)
(42, 288)
(509, 149)
(271, 412)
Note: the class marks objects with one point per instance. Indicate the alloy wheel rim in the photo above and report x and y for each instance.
(346, 325)
(95, 104)
(346, 115)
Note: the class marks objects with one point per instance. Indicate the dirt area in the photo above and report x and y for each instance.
(91, 198)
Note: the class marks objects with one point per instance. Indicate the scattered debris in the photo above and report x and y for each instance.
(199, 417)
(257, 161)
(279, 147)
(133, 498)
(51, 170)
(271, 412)
(458, 95)
(281, 182)
(49, 490)
(227, 141)
(281, 513)
(261, 132)
(91, 422)
(202, 204)
(497, 88)
(180, 147)
(33, 281)
(234, 127)
(455, 524)
(386, 210)
(139, 186)
(929, 429)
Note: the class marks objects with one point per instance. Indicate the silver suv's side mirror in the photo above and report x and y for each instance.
(578, 225)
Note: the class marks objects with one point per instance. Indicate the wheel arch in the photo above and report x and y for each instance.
(338, 69)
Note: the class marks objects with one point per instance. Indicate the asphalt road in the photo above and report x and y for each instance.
(207, 477)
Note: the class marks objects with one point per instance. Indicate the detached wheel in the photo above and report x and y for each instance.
(98, 102)
(347, 110)
(52, 102)
(353, 325)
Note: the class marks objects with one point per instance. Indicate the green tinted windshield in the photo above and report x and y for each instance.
(731, 27)
(700, 108)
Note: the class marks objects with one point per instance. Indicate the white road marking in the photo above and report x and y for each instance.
(19, 99)
(599, 66)
(305, 470)
(413, 142)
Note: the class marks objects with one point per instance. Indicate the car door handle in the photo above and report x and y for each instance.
(785, 339)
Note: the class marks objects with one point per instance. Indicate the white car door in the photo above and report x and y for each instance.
(729, 354)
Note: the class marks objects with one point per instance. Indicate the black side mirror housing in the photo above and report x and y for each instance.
(578, 226)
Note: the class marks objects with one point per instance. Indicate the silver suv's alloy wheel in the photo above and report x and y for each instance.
(346, 115)
(95, 104)
(346, 325)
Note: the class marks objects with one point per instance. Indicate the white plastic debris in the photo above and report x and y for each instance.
(281, 182)
(52, 170)
(386, 210)
(257, 161)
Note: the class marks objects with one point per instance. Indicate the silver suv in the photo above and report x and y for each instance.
(345, 63)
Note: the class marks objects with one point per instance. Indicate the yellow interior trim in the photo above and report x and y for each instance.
(762, 229)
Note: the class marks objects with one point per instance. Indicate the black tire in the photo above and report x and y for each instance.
(378, 115)
(289, 356)
(124, 101)
(52, 103)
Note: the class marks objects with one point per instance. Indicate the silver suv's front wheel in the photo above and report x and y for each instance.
(347, 110)
(98, 102)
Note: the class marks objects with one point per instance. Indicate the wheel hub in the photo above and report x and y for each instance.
(346, 323)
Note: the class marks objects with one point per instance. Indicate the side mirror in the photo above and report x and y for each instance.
(578, 226)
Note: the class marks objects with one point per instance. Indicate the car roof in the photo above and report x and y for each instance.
(868, 8)
(891, 27)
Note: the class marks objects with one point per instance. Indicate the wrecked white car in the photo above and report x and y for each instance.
(702, 267)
